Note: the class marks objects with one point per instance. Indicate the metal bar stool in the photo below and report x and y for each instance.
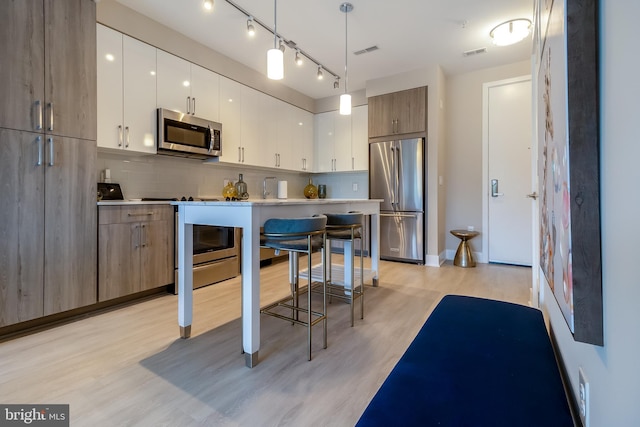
(298, 236)
(346, 227)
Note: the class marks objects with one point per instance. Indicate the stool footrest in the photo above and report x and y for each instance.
(337, 275)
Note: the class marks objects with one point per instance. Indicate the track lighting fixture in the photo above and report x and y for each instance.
(336, 84)
(275, 56)
(251, 30)
(207, 5)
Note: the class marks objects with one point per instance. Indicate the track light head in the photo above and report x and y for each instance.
(298, 59)
(320, 74)
(336, 84)
(281, 46)
(251, 30)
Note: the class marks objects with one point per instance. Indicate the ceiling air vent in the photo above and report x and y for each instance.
(367, 50)
(475, 51)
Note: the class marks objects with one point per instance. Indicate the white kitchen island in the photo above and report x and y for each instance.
(250, 216)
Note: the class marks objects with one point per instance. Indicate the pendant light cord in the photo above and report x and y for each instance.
(275, 24)
(346, 75)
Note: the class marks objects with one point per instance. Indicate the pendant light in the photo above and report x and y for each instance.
(275, 56)
(345, 98)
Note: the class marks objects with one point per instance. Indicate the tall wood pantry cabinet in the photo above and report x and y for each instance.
(48, 225)
(398, 113)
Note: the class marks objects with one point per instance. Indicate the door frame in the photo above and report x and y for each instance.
(485, 175)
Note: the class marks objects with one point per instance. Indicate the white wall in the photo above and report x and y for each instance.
(613, 371)
(463, 164)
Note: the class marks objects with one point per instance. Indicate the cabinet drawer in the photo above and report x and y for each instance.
(136, 213)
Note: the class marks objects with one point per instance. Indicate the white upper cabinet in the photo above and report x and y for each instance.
(126, 92)
(324, 141)
(341, 142)
(187, 88)
(205, 86)
(231, 119)
(301, 140)
(360, 138)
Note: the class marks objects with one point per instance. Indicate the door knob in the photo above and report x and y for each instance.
(494, 188)
(533, 196)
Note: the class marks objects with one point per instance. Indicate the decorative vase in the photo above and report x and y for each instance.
(310, 191)
(229, 191)
(241, 189)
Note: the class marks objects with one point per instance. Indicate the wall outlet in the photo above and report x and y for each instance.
(355, 186)
(583, 398)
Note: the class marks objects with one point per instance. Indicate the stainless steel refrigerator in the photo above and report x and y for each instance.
(397, 176)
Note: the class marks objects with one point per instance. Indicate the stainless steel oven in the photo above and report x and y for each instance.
(216, 254)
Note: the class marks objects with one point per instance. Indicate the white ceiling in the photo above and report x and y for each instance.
(410, 34)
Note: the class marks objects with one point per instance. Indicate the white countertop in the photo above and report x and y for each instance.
(132, 202)
(221, 202)
(272, 202)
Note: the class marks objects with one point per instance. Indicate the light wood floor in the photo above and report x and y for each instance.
(128, 367)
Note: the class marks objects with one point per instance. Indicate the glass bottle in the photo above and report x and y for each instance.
(241, 189)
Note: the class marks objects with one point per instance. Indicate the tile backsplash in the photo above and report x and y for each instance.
(166, 177)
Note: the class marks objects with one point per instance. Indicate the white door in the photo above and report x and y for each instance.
(508, 143)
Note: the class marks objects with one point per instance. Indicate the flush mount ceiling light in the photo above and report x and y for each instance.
(251, 30)
(510, 32)
(345, 98)
(275, 56)
(207, 5)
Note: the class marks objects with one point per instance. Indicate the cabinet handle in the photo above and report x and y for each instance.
(150, 213)
(39, 142)
(126, 132)
(51, 151)
(353, 163)
(303, 163)
(194, 107)
(188, 105)
(242, 154)
(119, 135)
(239, 155)
(276, 158)
(50, 105)
(38, 115)
(143, 236)
(137, 241)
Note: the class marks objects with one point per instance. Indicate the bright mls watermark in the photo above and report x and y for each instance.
(34, 415)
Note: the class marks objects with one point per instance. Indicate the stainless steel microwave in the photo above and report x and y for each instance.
(188, 136)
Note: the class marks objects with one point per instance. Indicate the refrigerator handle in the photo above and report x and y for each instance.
(393, 175)
(397, 175)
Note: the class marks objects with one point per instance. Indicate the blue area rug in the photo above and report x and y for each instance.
(475, 362)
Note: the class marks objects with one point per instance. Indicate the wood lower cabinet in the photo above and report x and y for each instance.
(398, 113)
(47, 226)
(136, 251)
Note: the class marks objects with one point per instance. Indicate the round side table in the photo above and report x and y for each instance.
(464, 257)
